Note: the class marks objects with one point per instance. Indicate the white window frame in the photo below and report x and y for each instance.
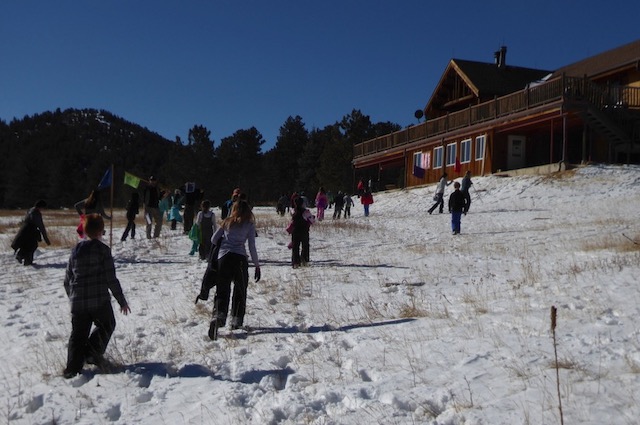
(481, 145)
(417, 159)
(451, 154)
(465, 151)
(437, 157)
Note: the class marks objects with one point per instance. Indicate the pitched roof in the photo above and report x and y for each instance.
(620, 57)
(487, 79)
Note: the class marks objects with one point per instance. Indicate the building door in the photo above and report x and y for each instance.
(516, 157)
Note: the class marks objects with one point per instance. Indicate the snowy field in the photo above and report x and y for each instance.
(395, 321)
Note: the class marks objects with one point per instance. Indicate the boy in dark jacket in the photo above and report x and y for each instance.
(89, 278)
(457, 205)
(302, 220)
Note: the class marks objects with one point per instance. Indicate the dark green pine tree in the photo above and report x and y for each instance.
(202, 167)
(240, 161)
(308, 180)
(284, 158)
(335, 167)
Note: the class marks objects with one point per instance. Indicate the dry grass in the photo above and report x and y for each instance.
(60, 224)
(568, 364)
(477, 296)
(560, 175)
(618, 243)
(633, 364)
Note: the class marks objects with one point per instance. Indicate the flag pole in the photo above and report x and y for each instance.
(111, 212)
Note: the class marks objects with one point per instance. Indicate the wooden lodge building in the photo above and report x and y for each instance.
(494, 117)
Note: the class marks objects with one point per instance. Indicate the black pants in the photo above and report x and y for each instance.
(26, 254)
(84, 343)
(467, 196)
(439, 202)
(131, 227)
(205, 245)
(189, 212)
(299, 240)
(231, 267)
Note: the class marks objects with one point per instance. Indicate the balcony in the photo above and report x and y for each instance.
(561, 88)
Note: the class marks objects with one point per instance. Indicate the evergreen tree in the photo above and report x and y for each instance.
(357, 127)
(202, 167)
(335, 165)
(240, 163)
(285, 155)
(308, 180)
(60, 156)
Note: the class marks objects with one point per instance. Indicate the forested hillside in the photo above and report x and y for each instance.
(61, 156)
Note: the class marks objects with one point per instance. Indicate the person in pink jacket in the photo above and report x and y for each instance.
(321, 203)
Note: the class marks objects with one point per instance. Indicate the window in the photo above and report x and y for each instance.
(417, 159)
(480, 147)
(465, 151)
(451, 154)
(437, 157)
(418, 171)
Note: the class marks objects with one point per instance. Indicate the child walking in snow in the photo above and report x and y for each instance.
(89, 282)
(206, 222)
(133, 208)
(348, 203)
(321, 203)
(237, 230)
(301, 221)
(457, 206)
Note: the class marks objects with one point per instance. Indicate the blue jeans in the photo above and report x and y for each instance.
(455, 221)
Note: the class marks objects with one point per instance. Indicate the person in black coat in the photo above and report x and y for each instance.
(151, 200)
(464, 188)
(192, 197)
(31, 232)
(301, 221)
(457, 206)
(92, 204)
(133, 208)
(339, 203)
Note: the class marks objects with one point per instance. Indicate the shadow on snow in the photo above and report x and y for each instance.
(323, 328)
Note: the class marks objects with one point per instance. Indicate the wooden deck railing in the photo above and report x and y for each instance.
(531, 97)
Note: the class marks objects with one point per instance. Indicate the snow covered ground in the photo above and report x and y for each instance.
(396, 321)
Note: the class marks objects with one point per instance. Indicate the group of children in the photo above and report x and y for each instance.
(459, 200)
(340, 201)
(90, 278)
(200, 232)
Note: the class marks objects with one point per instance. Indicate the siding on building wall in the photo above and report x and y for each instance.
(433, 174)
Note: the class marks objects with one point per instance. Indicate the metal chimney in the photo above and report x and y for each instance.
(502, 57)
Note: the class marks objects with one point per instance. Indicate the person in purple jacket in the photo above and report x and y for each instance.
(89, 281)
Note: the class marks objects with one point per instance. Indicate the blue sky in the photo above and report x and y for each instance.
(230, 65)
